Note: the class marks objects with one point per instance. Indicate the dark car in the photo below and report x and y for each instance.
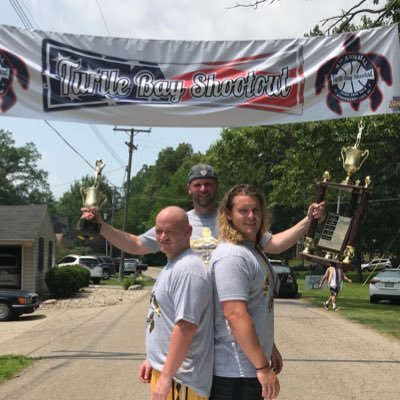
(134, 266)
(108, 266)
(14, 302)
(288, 287)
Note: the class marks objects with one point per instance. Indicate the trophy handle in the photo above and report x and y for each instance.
(343, 154)
(83, 194)
(103, 201)
(364, 156)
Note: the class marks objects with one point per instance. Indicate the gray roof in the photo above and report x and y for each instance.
(21, 222)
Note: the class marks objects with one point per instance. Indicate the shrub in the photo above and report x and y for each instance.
(130, 282)
(65, 281)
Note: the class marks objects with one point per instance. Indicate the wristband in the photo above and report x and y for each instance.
(264, 367)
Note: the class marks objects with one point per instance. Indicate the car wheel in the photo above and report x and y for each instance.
(106, 275)
(6, 312)
(365, 270)
(96, 281)
(373, 300)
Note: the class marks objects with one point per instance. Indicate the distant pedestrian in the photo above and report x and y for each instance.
(335, 277)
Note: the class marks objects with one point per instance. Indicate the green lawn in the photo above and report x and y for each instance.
(354, 304)
(127, 281)
(10, 365)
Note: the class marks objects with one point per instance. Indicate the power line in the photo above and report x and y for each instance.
(69, 145)
(21, 14)
(107, 145)
(102, 17)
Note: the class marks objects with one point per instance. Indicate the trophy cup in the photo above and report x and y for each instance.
(353, 157)
(337, 240)
(88, 229)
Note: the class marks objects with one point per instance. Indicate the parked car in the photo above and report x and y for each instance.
(134, 266)
(14, 303)
(385, 285)
(108, 266)
(376, 264)
(92, 263)
(289, 286)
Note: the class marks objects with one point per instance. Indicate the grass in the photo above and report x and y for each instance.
(11, 365)
(355, 305)
(128, 280)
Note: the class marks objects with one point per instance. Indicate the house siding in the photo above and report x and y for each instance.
(31, 228)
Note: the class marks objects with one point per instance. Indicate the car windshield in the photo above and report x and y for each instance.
(389, 274)
(281, 269)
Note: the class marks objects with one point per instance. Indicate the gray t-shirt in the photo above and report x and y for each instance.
(183, 291)
(204, 236)
(240, 273)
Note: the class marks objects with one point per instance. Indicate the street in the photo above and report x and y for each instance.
(94, 353)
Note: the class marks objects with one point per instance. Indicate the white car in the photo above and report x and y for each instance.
(385, 286)
(376, 264)
(89, 262)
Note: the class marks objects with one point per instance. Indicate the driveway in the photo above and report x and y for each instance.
(94, 353)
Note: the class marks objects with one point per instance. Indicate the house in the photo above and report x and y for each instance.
(27, 246)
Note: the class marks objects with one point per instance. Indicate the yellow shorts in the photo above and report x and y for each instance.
(178, 390)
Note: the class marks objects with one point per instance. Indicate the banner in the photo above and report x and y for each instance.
(116, 81)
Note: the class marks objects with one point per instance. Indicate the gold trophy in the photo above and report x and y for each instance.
(336, 242)
(353, 157)
(88, 229)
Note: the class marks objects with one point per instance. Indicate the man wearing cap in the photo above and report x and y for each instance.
(203, 188)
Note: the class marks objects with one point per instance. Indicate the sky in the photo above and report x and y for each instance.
(143, 19)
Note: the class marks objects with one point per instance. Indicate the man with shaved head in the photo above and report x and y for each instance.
(179, 329)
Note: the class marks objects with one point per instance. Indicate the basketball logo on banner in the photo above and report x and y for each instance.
(353, 77)
(11, 65)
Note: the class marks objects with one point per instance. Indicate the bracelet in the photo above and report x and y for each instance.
(264, 367)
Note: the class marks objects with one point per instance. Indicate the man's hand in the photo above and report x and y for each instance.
(276, 360)
(269, 383)
(317, 211)
(91, 213)
(144, 373)
(161, 388)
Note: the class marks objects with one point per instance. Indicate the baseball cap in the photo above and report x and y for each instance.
(199, 171)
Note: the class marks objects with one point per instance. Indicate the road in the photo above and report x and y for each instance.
(94, 353)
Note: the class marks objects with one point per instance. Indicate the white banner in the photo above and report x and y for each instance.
(104, 80)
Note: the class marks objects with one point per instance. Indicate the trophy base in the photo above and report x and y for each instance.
(327, 261)
(87, 229)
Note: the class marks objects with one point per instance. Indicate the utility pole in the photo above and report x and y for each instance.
(131, 147)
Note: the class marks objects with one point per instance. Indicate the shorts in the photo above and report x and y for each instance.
(235, 389)
(334, 290)
(178, 390)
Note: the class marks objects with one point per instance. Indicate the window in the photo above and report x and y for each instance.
(50, 255)
(41, 254)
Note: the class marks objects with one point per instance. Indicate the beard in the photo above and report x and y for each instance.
(203, 201)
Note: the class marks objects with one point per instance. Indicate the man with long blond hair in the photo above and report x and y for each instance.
(246, 360)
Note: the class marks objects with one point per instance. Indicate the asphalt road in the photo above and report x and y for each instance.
(94, 353)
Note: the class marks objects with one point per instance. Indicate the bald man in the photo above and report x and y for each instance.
(179, 329)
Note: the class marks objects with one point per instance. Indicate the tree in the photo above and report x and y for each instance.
(384, 12)
(287, 161)
(21, 181)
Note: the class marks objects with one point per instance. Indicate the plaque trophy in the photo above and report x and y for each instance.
(337, 240)
(88, 229)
